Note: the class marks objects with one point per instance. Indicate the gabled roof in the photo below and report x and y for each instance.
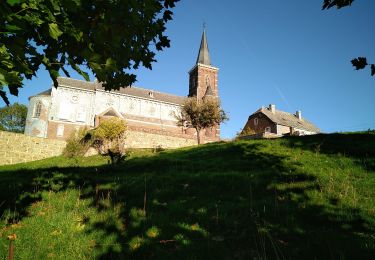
(43, 93)
(131, 91)
(288, 119)
(204, 55)
(111, 112)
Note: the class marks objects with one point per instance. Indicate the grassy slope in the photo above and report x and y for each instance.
(310, 197)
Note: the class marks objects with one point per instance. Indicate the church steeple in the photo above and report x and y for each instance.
(203, 83)
(204, 55)
(203, 76)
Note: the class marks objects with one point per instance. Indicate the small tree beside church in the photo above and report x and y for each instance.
(201, 114)
(109, 138)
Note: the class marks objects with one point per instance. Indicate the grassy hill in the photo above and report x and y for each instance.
(293, 198)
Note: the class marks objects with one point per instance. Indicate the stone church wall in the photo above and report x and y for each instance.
(18, 148)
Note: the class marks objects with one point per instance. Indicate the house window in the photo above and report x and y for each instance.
(60, 131)
(267, 129)
(255, 121)
(38, 109)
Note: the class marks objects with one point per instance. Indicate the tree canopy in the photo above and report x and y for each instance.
(13, 118)
(359, 62)
(201, 114)
(108, 37)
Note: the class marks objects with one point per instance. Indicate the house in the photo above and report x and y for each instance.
(58, 112)
(269, 122)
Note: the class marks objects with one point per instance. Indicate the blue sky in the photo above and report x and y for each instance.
(289, 53)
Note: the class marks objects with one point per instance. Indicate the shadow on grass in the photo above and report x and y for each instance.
(234, 201)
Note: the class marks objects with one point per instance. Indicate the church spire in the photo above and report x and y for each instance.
(204, 55)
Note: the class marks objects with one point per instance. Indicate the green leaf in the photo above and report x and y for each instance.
(54, 30)
(110, 64)
(14, 2)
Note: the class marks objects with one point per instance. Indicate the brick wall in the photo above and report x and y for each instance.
(260, 127)
(17, 148)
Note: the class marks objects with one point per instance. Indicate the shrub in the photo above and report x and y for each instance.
(78, 143)
(108, 138)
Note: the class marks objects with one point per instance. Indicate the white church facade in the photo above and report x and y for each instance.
(58, 112)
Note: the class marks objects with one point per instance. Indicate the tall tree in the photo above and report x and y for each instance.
(201, 114)
(108, 37)
(359, 62)
(13, 118)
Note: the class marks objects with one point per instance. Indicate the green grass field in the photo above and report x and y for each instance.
(291, 198)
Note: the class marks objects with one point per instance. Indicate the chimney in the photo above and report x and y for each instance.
(299, 114)
(272, 108)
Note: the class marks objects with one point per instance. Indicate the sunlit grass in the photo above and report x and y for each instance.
(309, 197)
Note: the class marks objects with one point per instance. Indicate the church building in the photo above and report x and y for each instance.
(58, 112)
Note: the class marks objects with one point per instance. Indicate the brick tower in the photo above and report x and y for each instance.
(203, 83)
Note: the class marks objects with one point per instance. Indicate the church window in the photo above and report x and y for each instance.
(38, 109)
(152, 110)
(60, 131)
(255, 121)
(81, 114)
(65, 110)
(74, 99)
(208, 83)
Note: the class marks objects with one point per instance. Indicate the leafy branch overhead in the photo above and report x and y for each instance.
(108, 37)
(360, 62)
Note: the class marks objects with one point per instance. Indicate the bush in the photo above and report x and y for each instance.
(78, 143)
(108, 139)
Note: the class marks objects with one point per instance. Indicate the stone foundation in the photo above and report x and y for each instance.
(18, 148)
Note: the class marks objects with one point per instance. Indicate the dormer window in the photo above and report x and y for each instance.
(255, 121)
(37, 109)
(151, 94)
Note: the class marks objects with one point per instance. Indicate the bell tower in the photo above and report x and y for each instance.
(203, 83)
(203, 76)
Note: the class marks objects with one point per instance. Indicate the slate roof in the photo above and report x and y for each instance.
(131, 91)
(204, 55)
(288, 119)
(43, 93)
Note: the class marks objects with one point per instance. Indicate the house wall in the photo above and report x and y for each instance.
(263, 122)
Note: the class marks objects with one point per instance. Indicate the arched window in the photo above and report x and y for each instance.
(255, 121)
(208, 82)
(37, 109)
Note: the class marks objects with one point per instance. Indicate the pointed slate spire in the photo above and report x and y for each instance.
(204, 55)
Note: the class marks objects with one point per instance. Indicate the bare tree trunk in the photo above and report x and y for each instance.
(198, 135)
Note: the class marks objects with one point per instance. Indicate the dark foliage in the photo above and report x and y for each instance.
(108, 37)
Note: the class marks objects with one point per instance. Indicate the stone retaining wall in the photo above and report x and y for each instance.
(17, 148)
(147, 140)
